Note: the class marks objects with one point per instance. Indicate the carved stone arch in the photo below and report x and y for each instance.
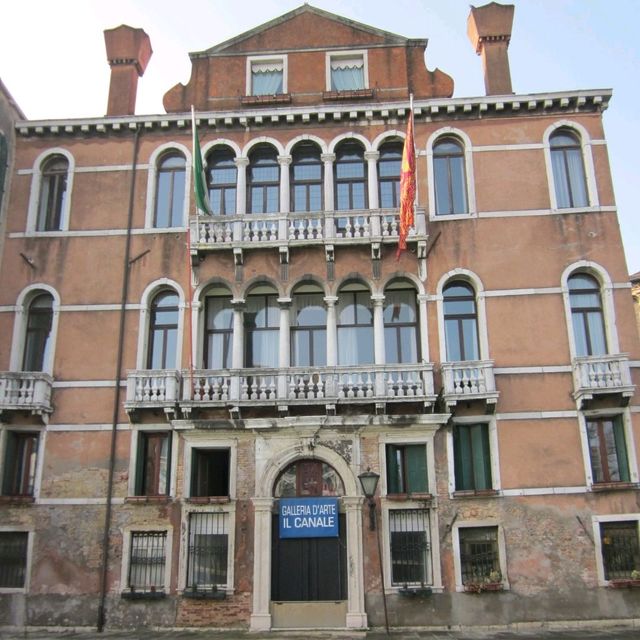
(306, 138)
(350, 135)
(403, 275)
(379, 140)
(307, 278)
(263, 280)
(263, 140)
(221, 142)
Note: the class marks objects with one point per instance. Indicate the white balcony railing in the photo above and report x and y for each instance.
(153, 388)
(594, 375)
(26, 391)
(469, 380)
(328, 385)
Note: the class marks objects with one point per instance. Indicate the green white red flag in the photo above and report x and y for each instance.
(407, 186)
(201, 192)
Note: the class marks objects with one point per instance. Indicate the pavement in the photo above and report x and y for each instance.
(594, 631)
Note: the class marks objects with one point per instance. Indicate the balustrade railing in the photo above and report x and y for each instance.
(469, 379)
(602, 374)
(26, 391)
(152, 388)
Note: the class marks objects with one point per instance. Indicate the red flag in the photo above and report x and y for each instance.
(407, 186)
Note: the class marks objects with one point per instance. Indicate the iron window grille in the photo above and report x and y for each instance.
(13, 559)
(620, 549)
(208, 551)
(147, 561)
(410, 547)
(479, 557)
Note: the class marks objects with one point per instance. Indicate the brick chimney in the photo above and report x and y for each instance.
(128, 53)
(489, 29)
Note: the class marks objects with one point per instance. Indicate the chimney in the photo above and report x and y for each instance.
(489, 29)
(128, 53)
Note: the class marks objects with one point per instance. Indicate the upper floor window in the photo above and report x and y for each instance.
(309, 328)
(400, 326)
(306, 178)
(262, 329)
(347, 72)
(472, 457)
(460, 322)
(263, 181)
(163, 331)
(170, 192)
(53, 193)
(38, 332)
(607, 449)
(267, 77)
(350, 177)
(153, 463)
(209, 472)
(218, 332)
(568, 170)
(20, 458)
(389, 166)
(449, 176)
(587, 316)
(222, 176)
(406, 468)
(355, 325)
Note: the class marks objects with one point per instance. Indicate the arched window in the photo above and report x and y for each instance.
(400, 324)
(218, 332)
(38, 333)
(308, 478)
(460, 322)
(449, 176)
(355, 325)
(163, 331)
(262, 328)
(568, 170)
(308, 328)
(586, 315)
(222, 176)
(389, 165)
(53, 193)
(306, 178)
(350, 177)
(263, 181)
(170, 187)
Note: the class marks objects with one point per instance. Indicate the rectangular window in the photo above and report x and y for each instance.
(13, 559)
(147, 561)
(153, 471)
(347, 72)
(20, 459)
(472, 457)
(210, 473)
(608, 450)
(410, 548)
(267, 77)
(620, 549)
(479, 557)
(406, 468)
(208, 551)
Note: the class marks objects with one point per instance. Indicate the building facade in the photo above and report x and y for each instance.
(190, 401)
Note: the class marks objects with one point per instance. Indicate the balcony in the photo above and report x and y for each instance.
(28, 391)
(598, 376)
(328, 386)
(468, 381)
(282, 231)
(152, 389)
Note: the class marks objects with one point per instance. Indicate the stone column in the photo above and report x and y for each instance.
(378, 328)
(261, 616)
(328, 159)
(422, 328)
(372, 177)
(356, 614)
(285, 192)
(241, 185)
(332, 337)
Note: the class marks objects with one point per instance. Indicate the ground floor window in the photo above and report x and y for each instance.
(620, 549)
(147, 561)
(479, 555)
(13, 559)
(208, 551)
(410, 547)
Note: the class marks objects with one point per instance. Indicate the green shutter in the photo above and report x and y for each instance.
(140, 464)
(393, 472)
(169, 440)
(462, 458)
(416, 461)
(10, 453)
(481, 458)
(621, 449)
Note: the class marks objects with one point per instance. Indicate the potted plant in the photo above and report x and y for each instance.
(626, 583)
(491, 582)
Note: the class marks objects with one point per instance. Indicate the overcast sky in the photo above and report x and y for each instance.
(53, 61)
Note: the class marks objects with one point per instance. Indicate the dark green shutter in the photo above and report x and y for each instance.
(462, 458)
(393, 471)
(621, 449)
(10, 454)
(140, 464)
(481, 457)
(416, 462)
(169, 447)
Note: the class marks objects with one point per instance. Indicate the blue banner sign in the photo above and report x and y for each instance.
(308, 517)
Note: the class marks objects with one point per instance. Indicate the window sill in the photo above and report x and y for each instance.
(17, 499)
(204, 594)
(415, 592)
(624, 583)
(481, 587)
(351, 94)
(402, 497)
(278, 98)
(147, 499)
(613, 486)
(143, 595)
(484, 493)
(209, 500)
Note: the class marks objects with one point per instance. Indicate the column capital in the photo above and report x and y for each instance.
(328, 157)
(330, 301)
(262, 504)
(284, 160)
(238, 304)
(352, 502)
(371, 155)
(377, 299)
(241, 161)
(284, 303)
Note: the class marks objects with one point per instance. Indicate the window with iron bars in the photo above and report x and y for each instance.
(147, 561)
(13, 559)
(620, 549)
(410, 547)
(479, 558)
(208, 551)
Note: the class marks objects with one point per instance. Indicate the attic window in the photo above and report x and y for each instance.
(347, 71)
(266, 76)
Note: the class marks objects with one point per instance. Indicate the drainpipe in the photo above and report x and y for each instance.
(116, 395)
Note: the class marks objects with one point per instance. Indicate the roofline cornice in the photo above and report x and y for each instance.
(524, 105)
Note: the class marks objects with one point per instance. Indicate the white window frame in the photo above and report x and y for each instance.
(42, 435)
(347, 54)
(502, 549)
(494, 455)
(152, 180)
(279, 58)
(587, 161)
(34, 194)
(27, 571)
(126, 552)
(133, 459)
(627, 426)
(596, 520)
(465, 141)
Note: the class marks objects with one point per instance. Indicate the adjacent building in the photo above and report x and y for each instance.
(191, 403)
